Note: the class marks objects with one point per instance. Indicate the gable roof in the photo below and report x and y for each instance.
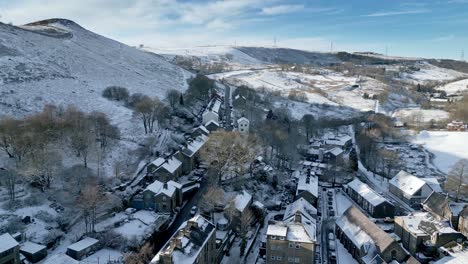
(83, 244)
(433, 183)
(242, 200)
(7, 242)
(363, 232)
(302, 206)
(168, 189)
(202, 128)
(407, 183)
(194, 146)
(60, 259)
(307, 183)
(366, 192)
(243, 119)
(436, 203)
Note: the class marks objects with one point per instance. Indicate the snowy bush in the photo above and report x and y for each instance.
(34, 199)
(13, 225)
(111, 239)
(45, 216)
(116, 93)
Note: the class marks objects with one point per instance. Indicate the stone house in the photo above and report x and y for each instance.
(369, 200)
(162, 196)
(410, 189)
(9, 250)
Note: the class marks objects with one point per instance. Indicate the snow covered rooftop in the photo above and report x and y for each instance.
(60, 259)
(424, 224)
(7, 242)
(433, 183)
(194, 146)
(31, 248)
(158, 162)
(302, 206)
(171, 164)
(83, 244)
(212, 122)
(168, 189)
(277, 230)
(242, 200)
(307, 183)
(336, 151)
(366, 192)
(213, 106)
(185, 247)
(243, 119)
(203, 129)
(407, 183)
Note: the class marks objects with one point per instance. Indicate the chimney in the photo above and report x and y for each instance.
(298, 217)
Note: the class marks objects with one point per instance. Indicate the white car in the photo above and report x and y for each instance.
(193, 211)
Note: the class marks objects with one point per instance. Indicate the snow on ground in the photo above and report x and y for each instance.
(448, 147)
(103, 256)
(417, 115)
(430, 72)
(343, 256)
(454, 87)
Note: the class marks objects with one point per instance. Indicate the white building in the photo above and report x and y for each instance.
(411, 189)
(243, 125)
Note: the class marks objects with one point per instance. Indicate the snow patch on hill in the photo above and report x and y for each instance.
(428, 72)
(455, 87)
(447, 147)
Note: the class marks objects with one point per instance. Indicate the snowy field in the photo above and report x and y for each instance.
(323, 87)
(417, 115)
(455, 87)
(430, 72)
(448, 147)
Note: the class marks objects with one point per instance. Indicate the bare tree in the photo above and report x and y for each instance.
(150, 111)
(88, 202)
(457, 179)
(143, 256)
(173, 97)
(211, 198)
(229, 151)
(9, 178)
(245, 220)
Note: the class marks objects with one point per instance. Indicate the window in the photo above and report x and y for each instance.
(273, 257)
(291, 245)
(278, 258)
(290, 259)
(297, 260)
(273, 237)
(298, 246)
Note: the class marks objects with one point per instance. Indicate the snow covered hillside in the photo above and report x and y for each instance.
(427, 72)
(208, 54)
(57, 61)
(455, 87)
(291, 56)
(448, 147)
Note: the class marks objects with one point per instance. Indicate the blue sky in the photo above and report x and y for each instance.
(436, 29)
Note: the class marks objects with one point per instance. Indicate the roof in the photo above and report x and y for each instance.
(363, 232)
(60, 259)
(158, 162)
(436, 203)
(31, 248)
(366, 192)
(307, 183)
(7, 242)
(243, 119)
(171, 164)
(407, 183)
(212, 122)
(168, 189)
(336, 151)
(194, 146)
(423, 223)
(202, 128)
(196, 232)
(242, 200)
(433, 183)
(83, 244)
(213, 106)
(277, 230)
(302, 206)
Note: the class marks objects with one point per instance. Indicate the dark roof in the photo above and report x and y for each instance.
(436, 203)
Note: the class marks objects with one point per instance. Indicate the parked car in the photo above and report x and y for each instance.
(331, 246)
(331, 213)
(330, 193)
(331, 236)
(194, 210)
(332, 257)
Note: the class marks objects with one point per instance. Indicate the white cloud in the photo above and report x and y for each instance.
(397, 13)
(444, 38)
(281, 9)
